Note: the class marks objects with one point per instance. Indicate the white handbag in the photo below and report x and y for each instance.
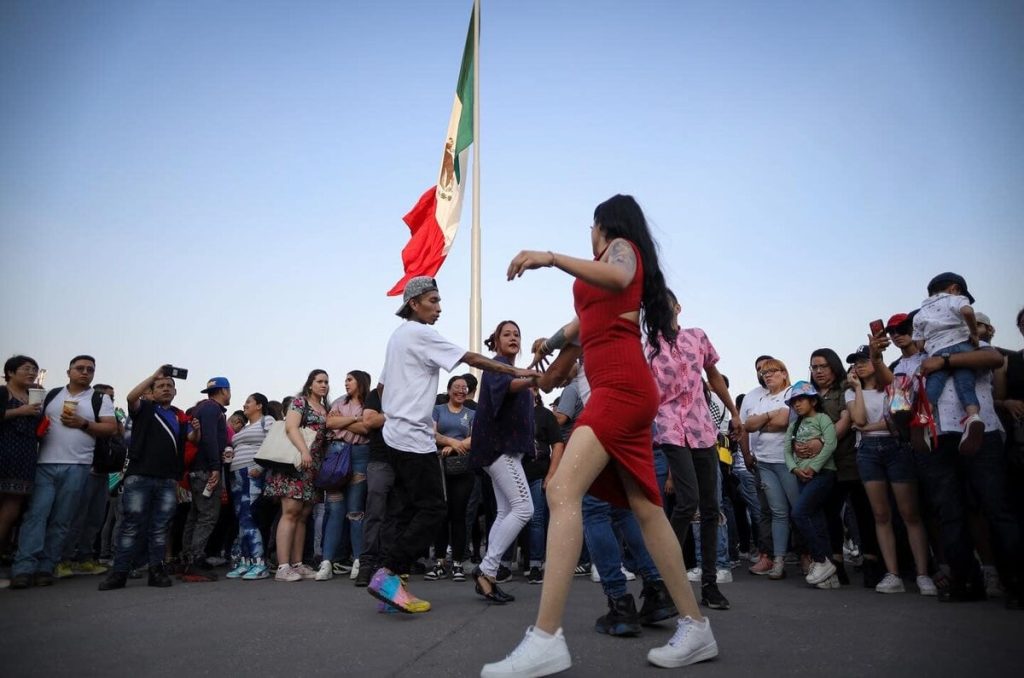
(278, 453)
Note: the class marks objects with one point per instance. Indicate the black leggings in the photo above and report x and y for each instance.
(458, 488)
(851, 491)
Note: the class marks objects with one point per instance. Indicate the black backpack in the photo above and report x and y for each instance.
(110, 454)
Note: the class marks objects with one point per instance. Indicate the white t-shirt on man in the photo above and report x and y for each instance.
(949, 411)
(65, 445)
(415, 355)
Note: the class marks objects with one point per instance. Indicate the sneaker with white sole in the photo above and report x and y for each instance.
(819, 572)
(890, 583)
(830, 583)
(723, 576)
(926, 586)
(628, 575)
(534, 656)
(594, 576)
(778, 570)
(257, 571)
(694, 574)
(239, 570)
(305, 571)
(692, 642)
(974, 433)
(325, 572)
(286, 573)
(355, 570)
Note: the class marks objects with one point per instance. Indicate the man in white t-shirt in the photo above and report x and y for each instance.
(950, 474)
(415, 355)
(62, 470)
(750, 481)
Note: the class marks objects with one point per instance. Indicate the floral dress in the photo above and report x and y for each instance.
(19, 451)
(299, 485)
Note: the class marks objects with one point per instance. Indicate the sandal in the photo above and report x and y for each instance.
(487, 588)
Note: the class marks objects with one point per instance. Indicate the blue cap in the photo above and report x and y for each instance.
(801, 389)
(216, 383)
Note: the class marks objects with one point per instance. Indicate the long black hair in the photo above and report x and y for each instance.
(834, 364)
(621, 217)
(362, 385)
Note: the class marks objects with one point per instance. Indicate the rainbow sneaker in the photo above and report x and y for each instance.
(384, 608)
(389, 588)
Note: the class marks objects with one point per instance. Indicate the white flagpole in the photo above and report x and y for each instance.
(474, 299)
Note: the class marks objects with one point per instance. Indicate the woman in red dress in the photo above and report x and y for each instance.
(610, 452)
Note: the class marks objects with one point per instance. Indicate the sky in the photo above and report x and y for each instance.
(220, 185)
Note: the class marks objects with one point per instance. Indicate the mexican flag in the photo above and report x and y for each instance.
(434, 219)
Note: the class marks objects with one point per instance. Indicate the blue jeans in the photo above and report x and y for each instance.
(51, 510)
(963, 380)
(809, 516)
(602, 540)
(783, 491)
(245, 491)
(92, 509)
(355, 497)
(538, 523)
(148, 505)
(748, 490)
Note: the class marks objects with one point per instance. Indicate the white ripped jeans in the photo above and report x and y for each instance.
(515, 508)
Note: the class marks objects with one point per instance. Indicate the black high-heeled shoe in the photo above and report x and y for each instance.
(492, 592)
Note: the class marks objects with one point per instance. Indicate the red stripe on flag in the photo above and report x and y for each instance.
(424, 253)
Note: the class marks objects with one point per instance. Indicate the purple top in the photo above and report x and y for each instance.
(504, 421)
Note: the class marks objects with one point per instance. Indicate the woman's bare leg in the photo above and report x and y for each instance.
(583, 460)
(299, 540)
(878, 495)
(661, 542)
(907, 504)
(291, 509)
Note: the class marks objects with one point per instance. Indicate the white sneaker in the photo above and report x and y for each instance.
(694, 574)
(723, 576)
(594, 576)
(830, 583)
(692, 642)
(355, 569)
(926, 586)
(819, 572)
(325, 572)
(534, 656)
(286, 573)
(993, 587)
(629, 575)
(890, 584)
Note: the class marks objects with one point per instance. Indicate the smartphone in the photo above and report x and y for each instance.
(175, 372)
(877, 328)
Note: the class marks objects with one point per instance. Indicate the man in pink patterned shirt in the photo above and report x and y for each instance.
(688, 436)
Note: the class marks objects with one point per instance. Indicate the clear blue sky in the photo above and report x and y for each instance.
(220, 185)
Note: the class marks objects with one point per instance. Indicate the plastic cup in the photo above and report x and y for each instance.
(36, 396)
(70, 407)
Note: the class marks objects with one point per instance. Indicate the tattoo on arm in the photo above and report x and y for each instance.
(621, 254)
(556, 341)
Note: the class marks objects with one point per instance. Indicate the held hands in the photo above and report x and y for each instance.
(807, 450)
(540, 354)
(803, 474)
(528, 260)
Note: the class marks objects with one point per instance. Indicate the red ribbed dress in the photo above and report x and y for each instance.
(623, 396)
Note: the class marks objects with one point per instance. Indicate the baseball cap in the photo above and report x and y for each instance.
(945, 280)
(896, 320)
(414, 288)
(862, 353)
(982, 318)
(216, 383)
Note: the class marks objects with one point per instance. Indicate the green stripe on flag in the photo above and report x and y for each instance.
(464, 90)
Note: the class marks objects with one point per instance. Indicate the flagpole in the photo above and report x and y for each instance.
(474, 299)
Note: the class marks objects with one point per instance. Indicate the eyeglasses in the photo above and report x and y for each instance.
(84, 369)
(818, 368)
(31, 369)
(768, 373)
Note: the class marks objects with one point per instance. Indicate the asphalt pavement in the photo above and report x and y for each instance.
(266, 628)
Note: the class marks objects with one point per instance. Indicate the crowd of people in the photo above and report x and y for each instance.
(906, 471)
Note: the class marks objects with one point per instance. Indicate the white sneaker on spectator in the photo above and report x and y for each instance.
(993, 587)
(819, 572)
(286, 573)
(926, 586)
(325, 572)
(891, 583)
(723, 576)
(830, 583)
(534, 656)
(594, 576)
(692, 642)
(355, 569)
(693, 574)
(629, 575)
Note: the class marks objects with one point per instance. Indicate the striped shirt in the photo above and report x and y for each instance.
(247, 442)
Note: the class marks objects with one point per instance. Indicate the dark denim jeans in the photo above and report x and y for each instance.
(695, 475)
(605, 527)
(809, 516)
(538, 526)
(148, 505)
(948, 476)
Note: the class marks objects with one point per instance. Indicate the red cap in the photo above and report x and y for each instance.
(896, 320)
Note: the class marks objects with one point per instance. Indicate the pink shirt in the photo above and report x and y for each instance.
(349, 409)
(684, 418)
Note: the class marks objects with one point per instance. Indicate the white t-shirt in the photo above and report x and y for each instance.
(874, 407)
(65, 445)
(949, 413)
(940, 323)
(746, 408)
(412, 362)
(768, 446)
(909, 365)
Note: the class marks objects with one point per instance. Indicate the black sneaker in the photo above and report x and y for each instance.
(582, 570)
(535, 576)
(21, 581)
(457, 573)
(365, 575)
(504, 575)
(436, 572)
(43, 579)
(658, 605)
(712, 597)
(114, 580)
(158, 576)
(621, 620)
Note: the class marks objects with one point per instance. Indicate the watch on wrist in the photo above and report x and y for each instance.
(85, 426)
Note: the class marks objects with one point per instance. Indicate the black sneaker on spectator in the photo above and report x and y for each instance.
(457, 572)
(21, 581)
(504, 574)
(43, 579)
(535, 576)
(582, 570)
(436, 572)
(713, 598)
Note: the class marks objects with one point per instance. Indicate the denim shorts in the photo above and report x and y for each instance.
(885, 458)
